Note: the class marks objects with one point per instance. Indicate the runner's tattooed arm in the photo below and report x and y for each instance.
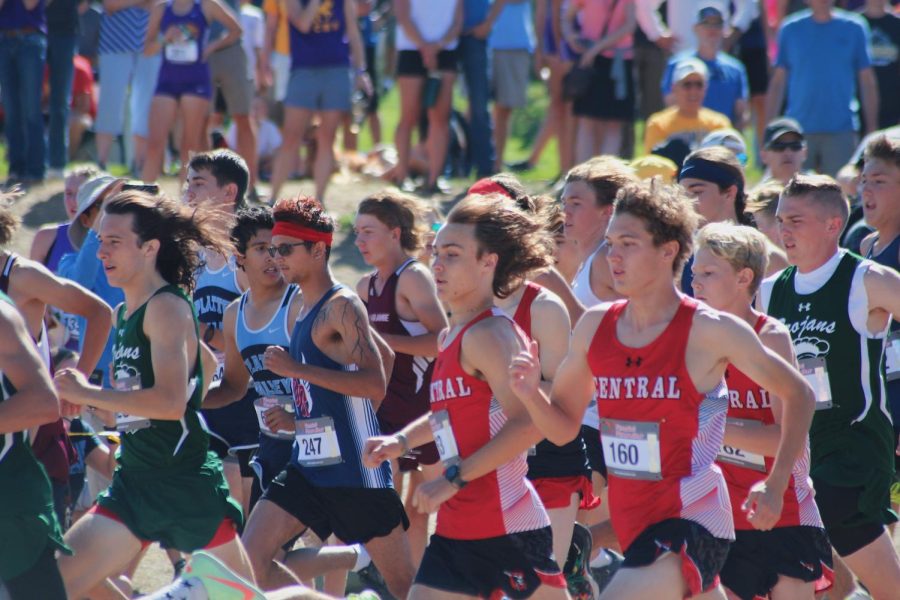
(34, 401)
(343, 325)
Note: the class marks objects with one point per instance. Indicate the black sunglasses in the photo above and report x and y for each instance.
(284, 249)
(692, 84)
(782, 146)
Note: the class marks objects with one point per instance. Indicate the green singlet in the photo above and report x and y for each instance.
(852, 441)
(27, 519)
(168, 487)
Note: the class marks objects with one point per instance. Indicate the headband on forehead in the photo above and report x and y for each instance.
(300, 232)
(485, 187)
(707, 170)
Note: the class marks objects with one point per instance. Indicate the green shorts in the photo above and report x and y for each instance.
(23, 540)
(181, 509)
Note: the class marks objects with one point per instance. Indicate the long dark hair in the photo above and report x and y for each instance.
(181, 232)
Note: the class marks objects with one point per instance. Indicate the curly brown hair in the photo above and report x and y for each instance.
(307, 212)
(520, 241)
(9, 222)
(667, 213)
(606, 175)
(180, 230)
(398, 210)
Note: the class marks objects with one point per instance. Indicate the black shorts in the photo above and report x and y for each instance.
(594, 450)
(513, 565)
(848, 529)
(756, 62)
(243, 455)
(354, 515)
(757, 558)
(600, 101)
(702, 554)
(409, 63)
(372, 70)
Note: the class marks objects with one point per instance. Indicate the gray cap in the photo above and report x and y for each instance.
(689, 66)
(87, 196)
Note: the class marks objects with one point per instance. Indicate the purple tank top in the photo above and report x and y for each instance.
(61, 246)
(182, 60)
(14, 15)
(326, 44)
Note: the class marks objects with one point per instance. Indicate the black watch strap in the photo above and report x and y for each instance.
(453, 475)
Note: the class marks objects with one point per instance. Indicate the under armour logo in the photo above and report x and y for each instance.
(804, 306)
(633, 361)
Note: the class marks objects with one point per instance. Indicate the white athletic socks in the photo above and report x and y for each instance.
(604, 559)
(363, 559)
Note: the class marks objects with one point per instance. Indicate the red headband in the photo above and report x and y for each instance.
(301, 232)
(484, 187)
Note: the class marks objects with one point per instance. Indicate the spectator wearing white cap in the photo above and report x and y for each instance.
(686, 119)
(730, 139)
(823, 54)
(727, 89)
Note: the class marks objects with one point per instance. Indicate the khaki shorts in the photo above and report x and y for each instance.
(510, 71)
(228, 70)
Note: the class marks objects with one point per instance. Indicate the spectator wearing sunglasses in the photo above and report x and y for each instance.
(784, 150)
(687, 119)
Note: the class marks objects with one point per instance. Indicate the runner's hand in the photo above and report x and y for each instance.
(71, 384)
(525, 372)
(763, 506)
(277, 360)
(278, 419)
(379, 449)
(431, 494)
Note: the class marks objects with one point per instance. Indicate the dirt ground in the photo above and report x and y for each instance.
(43, 205)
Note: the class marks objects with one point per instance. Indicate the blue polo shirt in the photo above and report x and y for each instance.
(823, 61)
(727, 81)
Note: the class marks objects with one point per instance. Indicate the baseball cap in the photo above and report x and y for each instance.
(777, 128)
(689, 66)
(710, 11)
(88, 194)
(650, 166)
(727, 138)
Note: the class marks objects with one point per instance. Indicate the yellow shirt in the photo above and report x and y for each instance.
(282, 34)
(668, 123)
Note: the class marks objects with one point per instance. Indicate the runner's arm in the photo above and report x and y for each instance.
(386, 447)
(883, 289)
(38, 282)
(490, 347)
(387, 361)
(559, 417)
(417, 287)
(347, 318)
(773, 373)
(235, 378)
(167, 398)
(213, 10)
(34, 401)
(760, 438)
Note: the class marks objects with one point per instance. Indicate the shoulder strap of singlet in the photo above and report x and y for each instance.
(757, 327)
(523, 310)
(372, 278)
(7, 270)
(405, 264)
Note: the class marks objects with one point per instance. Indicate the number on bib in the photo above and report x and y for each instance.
(631, 449)
(816, 373)
(742, 458)
(317, 443)
(126, 423)
(444, 438)
(183, 53)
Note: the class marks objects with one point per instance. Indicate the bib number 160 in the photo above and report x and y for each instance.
(624, 453)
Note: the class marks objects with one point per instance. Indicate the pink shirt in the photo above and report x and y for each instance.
(593, 16)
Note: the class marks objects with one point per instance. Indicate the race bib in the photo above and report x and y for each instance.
(186, 52)
(317, 443)
(262, 405)
(892, 356)
(816, 373)
(126, 423)
(443, 437)
(631, 449)
(742, 458)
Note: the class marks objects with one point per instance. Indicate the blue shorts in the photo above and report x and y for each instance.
(323, 88)
(201, 88)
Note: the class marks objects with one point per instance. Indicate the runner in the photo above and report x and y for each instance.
(168, 487)
(403, 308)
(28, 567)
(837, 307)
(656, 362)
(784, 563)
(261, 317)
(335, 368)
(493, 536)
(881, 194)
(714, 178)
(219, 180)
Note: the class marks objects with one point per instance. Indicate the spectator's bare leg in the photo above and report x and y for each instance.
(324, 165)
(410, 109)
(439, 128)
(162, 115)
(193, 111)
(501, 132)
(296, 120)
(246, 144)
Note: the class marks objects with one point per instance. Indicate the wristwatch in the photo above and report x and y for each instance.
(453, 475)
